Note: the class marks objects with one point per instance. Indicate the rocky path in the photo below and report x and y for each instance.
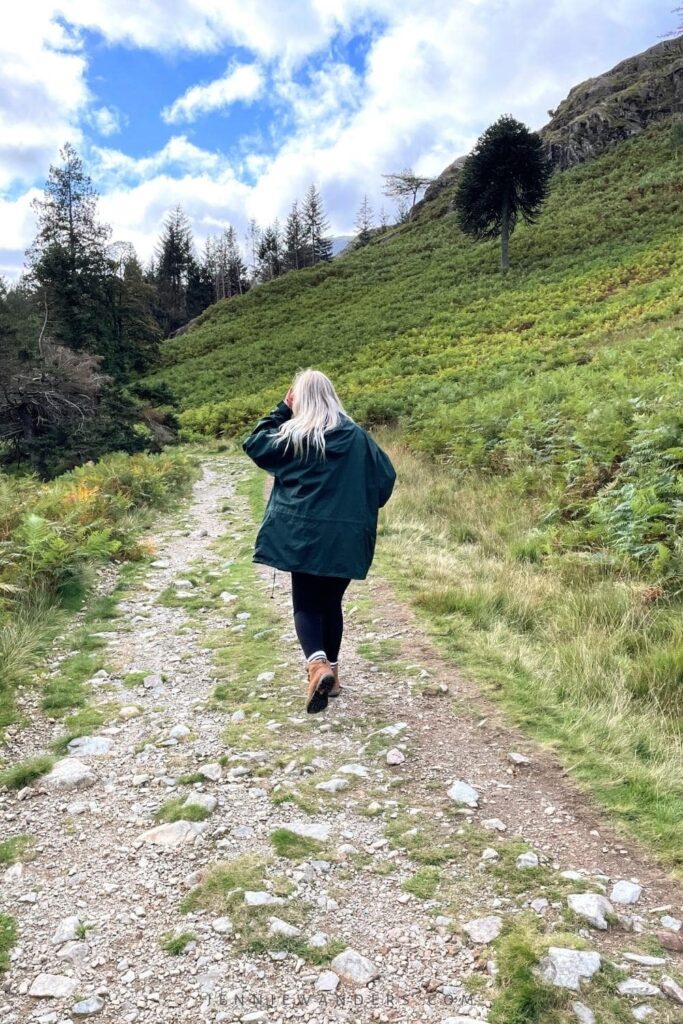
(214, 854)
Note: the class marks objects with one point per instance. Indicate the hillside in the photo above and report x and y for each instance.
(535, 421)
(566, 364)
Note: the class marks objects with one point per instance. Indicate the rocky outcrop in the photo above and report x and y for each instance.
(610, 108)
(616, 105)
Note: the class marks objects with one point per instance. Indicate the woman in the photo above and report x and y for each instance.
(321, 520)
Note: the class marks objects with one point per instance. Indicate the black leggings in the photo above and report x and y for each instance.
(318, 618)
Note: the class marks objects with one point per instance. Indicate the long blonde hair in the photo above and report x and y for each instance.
(316, 410)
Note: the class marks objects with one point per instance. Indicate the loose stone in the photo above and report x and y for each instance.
(567, 968)
(625, 893)
(462, 793)
(52, 986)
(484, 929)
(355, 968)
(591, 907)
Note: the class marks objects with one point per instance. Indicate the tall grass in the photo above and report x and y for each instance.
(586, 659)
(53, 534)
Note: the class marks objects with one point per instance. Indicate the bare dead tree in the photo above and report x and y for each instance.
(406, 185)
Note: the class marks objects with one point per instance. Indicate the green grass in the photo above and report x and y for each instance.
(294, 847)
(175, 810)
(174, 945)
(535, 422)
(423, 884)
(561, 375)
(8, 936)
(25, 772)
(14, 849)
(580, 657)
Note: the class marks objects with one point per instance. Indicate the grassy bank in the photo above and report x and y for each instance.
(586, 660)
(52, 536)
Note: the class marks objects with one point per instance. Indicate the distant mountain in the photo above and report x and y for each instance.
(339, 243)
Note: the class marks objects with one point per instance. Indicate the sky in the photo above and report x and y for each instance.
(231, 108)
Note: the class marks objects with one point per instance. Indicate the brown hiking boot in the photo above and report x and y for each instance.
(336, 689)
(320, 681)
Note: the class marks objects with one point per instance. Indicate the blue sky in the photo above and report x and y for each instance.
(232, 107)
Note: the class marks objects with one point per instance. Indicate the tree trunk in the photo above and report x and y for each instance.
(505, 237)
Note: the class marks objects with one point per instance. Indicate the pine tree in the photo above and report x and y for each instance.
(68, 259)
(364, 221)
(505, 177)
(318, 244)
(253, 239)
(137, 332)
(236, 269)
(269, 254)
(295, 242)
(174, 263)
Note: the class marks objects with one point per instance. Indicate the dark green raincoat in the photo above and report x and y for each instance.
(321, 516)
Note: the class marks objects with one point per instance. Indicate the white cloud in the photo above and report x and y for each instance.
(42, 91)
(241, 82)
(435, 75)
(106, 120)
(112, 167)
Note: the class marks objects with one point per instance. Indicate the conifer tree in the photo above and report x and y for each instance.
(68, 259)
(318, 244)
(174, 261)
(505, 177)
(269, 255)
(364, 221)
(294, 241)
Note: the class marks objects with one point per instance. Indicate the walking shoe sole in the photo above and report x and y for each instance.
(319, 700)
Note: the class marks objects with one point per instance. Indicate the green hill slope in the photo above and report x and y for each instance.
(568, 367)
(537, 426)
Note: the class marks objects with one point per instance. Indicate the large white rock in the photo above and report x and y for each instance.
(67, 930)
(308, 830)
(222, 925)
(494, 825)
(671, 988)
(261, 899)
(527, 860)
(583, 1013)
(69, 773)
(335, 785)
(359, 770)
(212, 772)
(591, 907)
(88, 1007)
(276, 926)
(625, 892)
(395, 756)
(203, 800)
(52, 986)
(637, 988)
(90, 746)
(567, 968)
(484, 929)
(462, 793)
(355, 968)
(643, 1011)
(173, 833)
(644, 960)
(327, 981)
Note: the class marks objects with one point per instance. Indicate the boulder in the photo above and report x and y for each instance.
(462, 793)
(69, 774)
(591, 907)
(52, 986)
(354, 968)
(567, 968)
(484, 929)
